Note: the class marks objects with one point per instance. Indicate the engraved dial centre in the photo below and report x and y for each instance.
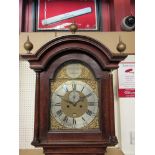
(76, 106)
(74, 96)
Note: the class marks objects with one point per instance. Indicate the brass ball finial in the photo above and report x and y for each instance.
(121, 46)
(73, 27)
(28, 45)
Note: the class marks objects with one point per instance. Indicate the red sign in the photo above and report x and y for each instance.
(126, 92)
(59, 14)
(126, 79)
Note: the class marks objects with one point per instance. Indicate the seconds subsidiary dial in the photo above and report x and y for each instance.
(74, 104)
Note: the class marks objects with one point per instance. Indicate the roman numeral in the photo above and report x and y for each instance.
(74, 121)
(57, 104)
(91, 103)
(84, 122)
(82, 89)
(59, 95)
(65, 119)
(59, 113)
(88, 94)
(74, 87)
(65, 88)
(83, 119)
(89, 112)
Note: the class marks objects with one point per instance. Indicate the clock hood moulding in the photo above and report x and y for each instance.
(74, 44)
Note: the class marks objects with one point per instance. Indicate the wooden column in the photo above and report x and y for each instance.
(105, 15)
(20, 15)
(37, 109)
(118, 10)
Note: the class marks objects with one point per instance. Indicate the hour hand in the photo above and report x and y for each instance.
(82, 98)
(64, 99)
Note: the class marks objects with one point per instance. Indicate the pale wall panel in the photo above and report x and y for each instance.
(26, 104)
(109, 39)
(127, 121)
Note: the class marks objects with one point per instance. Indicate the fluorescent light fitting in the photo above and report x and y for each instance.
(66, 16)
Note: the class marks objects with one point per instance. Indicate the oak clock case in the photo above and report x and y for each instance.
(74, 103)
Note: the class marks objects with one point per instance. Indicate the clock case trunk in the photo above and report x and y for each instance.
(47, 60)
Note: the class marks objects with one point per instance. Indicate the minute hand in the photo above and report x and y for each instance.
(65, 99)
(83, 97)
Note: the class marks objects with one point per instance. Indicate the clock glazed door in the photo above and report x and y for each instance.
(74, 106)
(74, 100)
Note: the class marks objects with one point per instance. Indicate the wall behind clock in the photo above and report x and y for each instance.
(109, 39)
(127, 120)
(26, 105)
(125, 116)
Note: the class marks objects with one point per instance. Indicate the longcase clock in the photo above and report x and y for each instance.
(74, 104)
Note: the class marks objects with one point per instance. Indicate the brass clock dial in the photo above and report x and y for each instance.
(74, 104)
(74, 98)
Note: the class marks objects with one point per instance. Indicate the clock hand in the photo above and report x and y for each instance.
(64, 99)
(67, 101)
(74, 92)
(82, 98)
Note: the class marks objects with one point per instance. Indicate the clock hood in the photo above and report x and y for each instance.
(74, 44)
